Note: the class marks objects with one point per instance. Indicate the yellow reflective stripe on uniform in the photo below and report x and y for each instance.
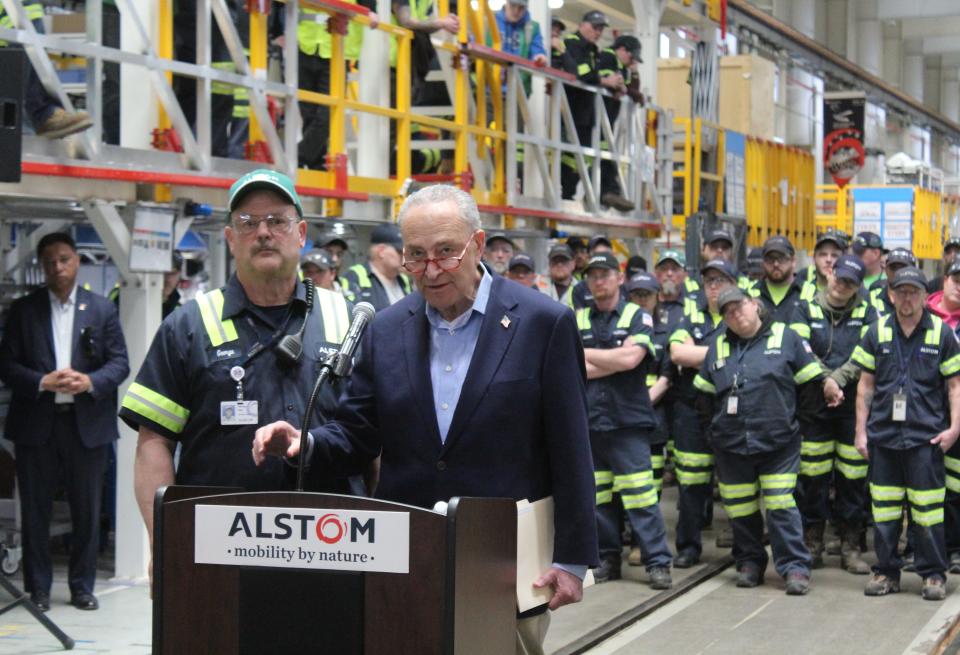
(884, 333)
(808, 291)
(932, 336)
(642, 340)
(779, 501)
(802, 329)
(861, 311)
(629, 311)
(211, 312)
(882, 514)
(583, 319)
(807, 373)
(776, 339)
(703, 385)
(679, 336)
(583, 69)
(222, 88)
(742, 509)
(637, 501)
(881, 492)
(604, 497)
(693, 459)
(863, 358)
(738, 490)
(950, 366)
(926, 496)
(632, 481)
(813, 469)
(603, 477)
(849, 452)
(814, 448)
(952, 464)
(333, 311)
(159, 409)
(651, 379)
(927, 518)
(657, 461)
(953, 484)
(688, 478)
(851, 472)
(723, 347)
(778, 481)
(363, 280)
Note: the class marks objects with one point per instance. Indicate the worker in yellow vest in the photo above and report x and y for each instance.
(316, 44)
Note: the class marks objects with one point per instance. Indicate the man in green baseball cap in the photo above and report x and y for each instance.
(264, 178)
(671, 275)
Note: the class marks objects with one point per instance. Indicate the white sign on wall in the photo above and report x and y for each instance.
(151, 243)
(298, 538)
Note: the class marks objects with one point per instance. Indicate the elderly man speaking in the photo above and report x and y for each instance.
(475, 386)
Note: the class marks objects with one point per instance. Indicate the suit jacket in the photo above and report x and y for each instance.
(519, 429)
(27, 354)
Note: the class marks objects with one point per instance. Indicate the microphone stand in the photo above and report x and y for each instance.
(331, 370)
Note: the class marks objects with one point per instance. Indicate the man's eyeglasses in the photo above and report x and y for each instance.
(419, 265)
(248, 224)
(716, 282)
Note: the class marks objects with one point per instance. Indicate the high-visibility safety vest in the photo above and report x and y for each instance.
(34, 12)
(419, 10)
(314, 38)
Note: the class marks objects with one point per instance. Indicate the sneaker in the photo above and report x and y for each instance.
(798, 583)
(61, 124)
(881, 585)
(933, 588)
(617, 201)
(749, 576)
(685, 559)
(609, 569)
(635, 558)
(660, 578)
(955, 562)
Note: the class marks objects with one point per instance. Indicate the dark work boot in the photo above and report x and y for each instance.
(851, 559)
(813, 539)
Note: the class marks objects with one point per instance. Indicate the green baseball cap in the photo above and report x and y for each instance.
(264, 178)
(674, 256)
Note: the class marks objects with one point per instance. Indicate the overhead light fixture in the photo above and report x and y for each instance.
(555, 4)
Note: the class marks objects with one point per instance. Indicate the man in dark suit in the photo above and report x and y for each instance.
(478, 385)
(63, 356)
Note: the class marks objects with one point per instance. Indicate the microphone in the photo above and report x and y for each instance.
(362, 315)
(337, 365)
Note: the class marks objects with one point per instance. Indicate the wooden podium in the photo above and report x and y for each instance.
(458, 598)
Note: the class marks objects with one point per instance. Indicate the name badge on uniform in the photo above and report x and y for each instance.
(899, 407)
(239, 412)
(733, 403)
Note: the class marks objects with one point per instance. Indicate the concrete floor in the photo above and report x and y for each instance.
(715, 617)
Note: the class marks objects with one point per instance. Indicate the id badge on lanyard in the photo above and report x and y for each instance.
(899, 405)
(239, 411)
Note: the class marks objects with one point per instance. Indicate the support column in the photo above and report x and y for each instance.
(950, 95)
(913, 68)
(135, 87)
(869, 37)
(800, 85)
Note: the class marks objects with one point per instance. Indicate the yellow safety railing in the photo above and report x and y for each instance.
(689, 168)
(833, 209)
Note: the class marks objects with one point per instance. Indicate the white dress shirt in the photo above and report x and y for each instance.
(61, 320)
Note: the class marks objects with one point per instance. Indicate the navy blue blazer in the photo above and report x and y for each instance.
(27, 354)
(519, 429)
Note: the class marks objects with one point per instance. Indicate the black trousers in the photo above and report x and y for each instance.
(827, 454)
(569, 175)
(694, 468)
(314, 76)
(40, 470)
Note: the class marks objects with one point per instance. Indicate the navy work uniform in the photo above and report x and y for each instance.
(828, 432)
(756, 439)
(580, 59)
(780, 301)
(694, 296)
(691, 450)
(660, 366)
(366, 286)
(213, 376)
(621, 422)
(909, 407)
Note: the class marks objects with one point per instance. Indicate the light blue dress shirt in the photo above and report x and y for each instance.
(451, 348)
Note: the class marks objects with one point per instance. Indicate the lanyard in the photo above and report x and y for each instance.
(741, 353)
(903, 362)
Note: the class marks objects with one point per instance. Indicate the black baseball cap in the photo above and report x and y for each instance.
(718, 235)
(605, 260)
(493, 236)
(901, 257)
(642, 281)
(318, 258)
(778, 243)
(631, 43)
(560, 250)
(850, 267)
(866, 240)
(910, 275)
(733, 294)
(635, 264)
(953, 269)
(335, 234)
(597, 239)
(596, 18)
(522, 259)
(576, 242)
(387, 233)
(721, 265)
(834, 237)
(556, 22)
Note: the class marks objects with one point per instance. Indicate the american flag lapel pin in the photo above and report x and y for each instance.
(505, 322)
(82, 306)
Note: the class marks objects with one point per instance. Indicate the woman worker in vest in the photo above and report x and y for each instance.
(750, 379)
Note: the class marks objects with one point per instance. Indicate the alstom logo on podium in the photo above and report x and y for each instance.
(329, 528)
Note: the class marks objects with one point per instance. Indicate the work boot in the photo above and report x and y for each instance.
(851, 559)
(62, 123)
(685, 559)
(617, 201)
(933, 588)
(725, 538)
(660, 578)
(813, 540)
(749, 576)
(635, 558)
(798, 583)
(609, 569)
(955, 562)
(881, 585)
